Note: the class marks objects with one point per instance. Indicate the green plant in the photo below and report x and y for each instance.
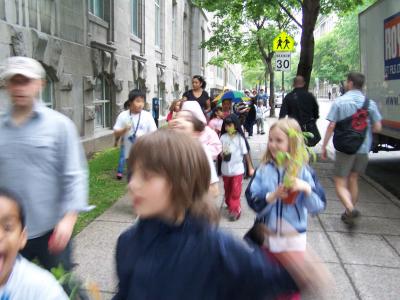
(293, 163)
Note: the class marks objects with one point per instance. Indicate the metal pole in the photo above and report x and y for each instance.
(283, 81)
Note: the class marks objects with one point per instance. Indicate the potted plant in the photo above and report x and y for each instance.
(293, 163)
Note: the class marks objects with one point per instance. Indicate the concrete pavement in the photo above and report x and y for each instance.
(364, 261)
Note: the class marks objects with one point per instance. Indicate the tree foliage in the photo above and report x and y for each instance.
(234, 16)
(338, 52)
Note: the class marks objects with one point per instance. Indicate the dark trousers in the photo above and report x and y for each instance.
(37, 248)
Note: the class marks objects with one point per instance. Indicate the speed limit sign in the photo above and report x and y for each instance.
(282, 61)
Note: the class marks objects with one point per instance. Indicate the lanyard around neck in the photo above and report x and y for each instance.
(137, 125)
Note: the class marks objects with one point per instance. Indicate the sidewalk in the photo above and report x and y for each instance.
(365, 262)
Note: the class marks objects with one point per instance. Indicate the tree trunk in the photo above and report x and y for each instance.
(271, 88)
(310, 12)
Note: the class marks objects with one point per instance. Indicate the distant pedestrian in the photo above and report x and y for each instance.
(42, 158)
(250, 117)
(133, 122)
(266, 194)
(348, 167)
(329, 95)
(217, 118)
(261, 114)
(234, 151)
(302, 106)
(174, 108)
(176, 234)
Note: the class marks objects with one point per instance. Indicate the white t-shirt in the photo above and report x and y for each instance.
(214, 175)
(126, 118)
(30, 282)
(235, 145)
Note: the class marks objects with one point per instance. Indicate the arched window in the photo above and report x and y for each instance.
(102, 102)
(47, 94)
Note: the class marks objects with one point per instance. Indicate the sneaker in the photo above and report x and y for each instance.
(347, 219)
(355, 213)
(263, 132)
(234, 217)
(119, 176)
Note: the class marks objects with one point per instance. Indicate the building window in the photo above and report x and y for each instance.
(161, 96)
(158, 23)
(203, 50)
(96, 7)
(102, 103)
(185, 38)
(47, 94)
(174, 26)
(135, 17)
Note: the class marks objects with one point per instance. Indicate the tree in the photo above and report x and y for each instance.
(310, 10)
(342, 44)
(243, 33)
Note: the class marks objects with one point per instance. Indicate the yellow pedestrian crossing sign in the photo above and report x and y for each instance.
(283, 43)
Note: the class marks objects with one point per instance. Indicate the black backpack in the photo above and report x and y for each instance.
(349, 133)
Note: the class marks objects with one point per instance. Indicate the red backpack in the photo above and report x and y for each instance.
(349, 133)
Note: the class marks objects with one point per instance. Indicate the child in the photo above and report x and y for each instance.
(19, 278)
(133, 122)
(217, 118)
(174, 109)
(226, 108)
(192, 121)
(286, 223)
(175, 251)
(234, 148)
(261, 113)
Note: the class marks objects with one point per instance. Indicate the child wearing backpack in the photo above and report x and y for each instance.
(286, 222)
(175, 250)
(234, 150)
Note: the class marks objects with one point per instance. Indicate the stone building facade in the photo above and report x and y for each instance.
(95, 51)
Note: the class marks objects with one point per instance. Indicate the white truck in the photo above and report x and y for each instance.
(379, 27)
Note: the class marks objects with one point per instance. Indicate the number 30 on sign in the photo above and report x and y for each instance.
(282, 61)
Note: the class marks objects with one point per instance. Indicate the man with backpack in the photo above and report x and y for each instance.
(353, 118)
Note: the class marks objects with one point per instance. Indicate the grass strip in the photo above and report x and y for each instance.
(104, 189)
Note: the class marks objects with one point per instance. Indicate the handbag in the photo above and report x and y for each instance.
(311, 126)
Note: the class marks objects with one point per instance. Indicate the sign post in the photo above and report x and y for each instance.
(283, 45)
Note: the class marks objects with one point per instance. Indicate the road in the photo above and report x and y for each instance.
(383, 166)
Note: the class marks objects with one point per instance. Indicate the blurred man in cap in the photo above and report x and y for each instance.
(42, 158)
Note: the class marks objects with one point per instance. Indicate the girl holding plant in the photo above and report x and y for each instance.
(283, 191)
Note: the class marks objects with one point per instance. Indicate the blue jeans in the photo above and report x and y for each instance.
(121, 159)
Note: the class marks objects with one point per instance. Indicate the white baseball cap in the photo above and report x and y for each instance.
(194, 107)
(24, 66)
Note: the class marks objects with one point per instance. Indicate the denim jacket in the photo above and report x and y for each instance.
(274, 216)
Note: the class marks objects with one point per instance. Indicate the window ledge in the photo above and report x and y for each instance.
(135, 38)
(158, 49)
(175, 57)
(98, 21)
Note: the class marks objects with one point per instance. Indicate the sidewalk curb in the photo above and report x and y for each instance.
(381, 189)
